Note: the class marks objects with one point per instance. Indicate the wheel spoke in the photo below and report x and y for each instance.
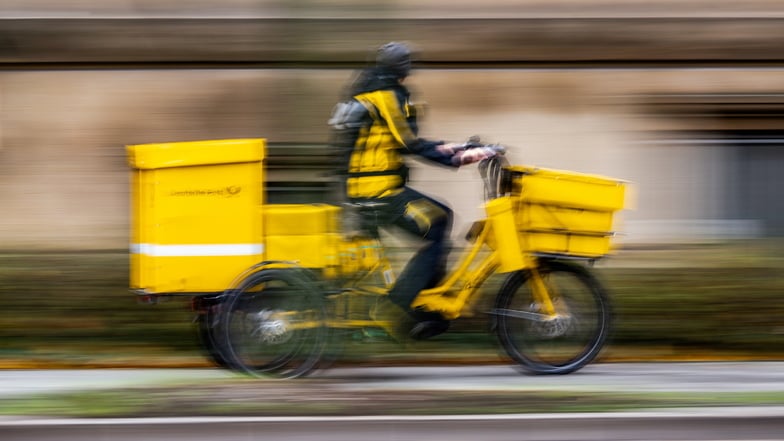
(274, 325)
(527, 315)
(560, 343)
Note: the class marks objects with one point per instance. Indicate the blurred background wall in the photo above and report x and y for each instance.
(683, 98)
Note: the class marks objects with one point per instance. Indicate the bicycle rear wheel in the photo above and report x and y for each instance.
(273, 324)
(205, 327)
(559, 344)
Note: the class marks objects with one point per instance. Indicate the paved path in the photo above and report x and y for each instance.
(728, 423)
(630, 377)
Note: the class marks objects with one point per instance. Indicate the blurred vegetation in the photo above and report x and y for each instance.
(690, 302)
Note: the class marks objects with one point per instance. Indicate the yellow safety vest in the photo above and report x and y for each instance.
(376, 166)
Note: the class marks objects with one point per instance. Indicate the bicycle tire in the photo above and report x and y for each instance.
(545, 346)
(273, 324)
(208, 340)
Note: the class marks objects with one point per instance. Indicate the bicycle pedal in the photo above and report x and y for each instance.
(372, 334)
(428, 329)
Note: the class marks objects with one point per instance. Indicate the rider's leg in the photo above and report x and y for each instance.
(431, 221)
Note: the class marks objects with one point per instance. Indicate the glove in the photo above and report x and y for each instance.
(470, 156)
(499, 149)
(450, 148)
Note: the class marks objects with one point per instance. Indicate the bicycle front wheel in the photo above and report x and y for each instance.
(558, 343)
(273, 324)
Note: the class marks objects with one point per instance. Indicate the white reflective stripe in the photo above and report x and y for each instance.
(240, 249)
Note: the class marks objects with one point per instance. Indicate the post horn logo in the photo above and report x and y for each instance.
(225, 192)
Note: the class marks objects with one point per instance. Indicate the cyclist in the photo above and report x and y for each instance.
(374, 126)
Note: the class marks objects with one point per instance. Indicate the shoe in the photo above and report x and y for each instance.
(392, 318)
(428, 329)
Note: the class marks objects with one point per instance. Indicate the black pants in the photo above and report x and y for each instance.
(429, 220)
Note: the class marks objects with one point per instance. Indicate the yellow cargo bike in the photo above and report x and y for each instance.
(272, 283)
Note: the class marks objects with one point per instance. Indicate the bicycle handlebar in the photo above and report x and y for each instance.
(490, 169)
(474, 142)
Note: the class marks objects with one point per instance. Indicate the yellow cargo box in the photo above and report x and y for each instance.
(567, 189)
(300, 219)
(307, 250)
(311, 236)
(195, 214)
(552, 217)
(566, 244)
(565, 213)
(308, 234)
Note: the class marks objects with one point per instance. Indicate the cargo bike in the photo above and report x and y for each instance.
(273, 284)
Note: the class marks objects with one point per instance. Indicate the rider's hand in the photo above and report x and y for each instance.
(450, 148)
(470, 156)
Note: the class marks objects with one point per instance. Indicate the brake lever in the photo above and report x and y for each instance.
(473, 142)
(499, 149)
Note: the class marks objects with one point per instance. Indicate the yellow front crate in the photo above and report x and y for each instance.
(566, 243)
(552, 217)
(195, 219)
(565, 213)
(567, 189)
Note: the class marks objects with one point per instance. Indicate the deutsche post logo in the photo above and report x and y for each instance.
(224, 192)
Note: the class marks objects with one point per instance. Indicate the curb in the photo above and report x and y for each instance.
(722, 413)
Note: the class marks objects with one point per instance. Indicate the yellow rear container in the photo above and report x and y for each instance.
(300, 219)
(195, 214)
(311, 235)
(565, 213)
(308, 234)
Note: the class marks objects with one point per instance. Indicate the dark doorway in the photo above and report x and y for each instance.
(760, 179)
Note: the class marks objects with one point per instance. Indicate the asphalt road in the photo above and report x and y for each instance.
(712, 423)
(731, 425)
(630, 377)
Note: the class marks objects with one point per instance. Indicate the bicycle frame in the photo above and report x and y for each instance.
(455, 295)
(469, 275)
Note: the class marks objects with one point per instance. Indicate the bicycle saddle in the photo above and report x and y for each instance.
(365, 216)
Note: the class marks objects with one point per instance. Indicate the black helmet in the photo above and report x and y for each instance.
(394, 57)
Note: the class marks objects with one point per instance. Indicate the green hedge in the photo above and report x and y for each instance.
(77, 307)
